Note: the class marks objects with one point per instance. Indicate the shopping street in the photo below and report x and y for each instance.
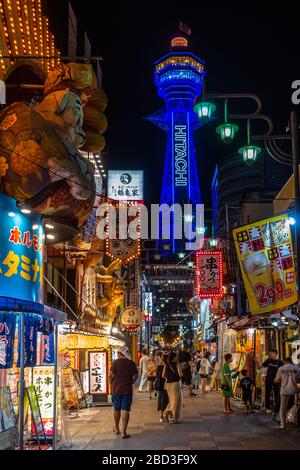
(203, 427)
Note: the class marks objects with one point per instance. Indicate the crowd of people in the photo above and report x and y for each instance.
(164, 373)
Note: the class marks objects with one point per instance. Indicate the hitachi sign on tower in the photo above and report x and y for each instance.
(180, 155)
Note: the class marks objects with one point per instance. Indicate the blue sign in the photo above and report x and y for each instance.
(21, 253)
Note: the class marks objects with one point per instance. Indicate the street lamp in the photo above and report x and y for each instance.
(227, 130)
(249, 152)
(204, 109)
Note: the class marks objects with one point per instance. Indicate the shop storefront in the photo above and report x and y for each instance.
(30, 415)
(87, 361)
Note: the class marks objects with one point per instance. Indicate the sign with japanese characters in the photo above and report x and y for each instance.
(7, 338)
(125, 185)
(265, 254)
(43, 380)
(148, 306)
(209, 274)
(21, 253)
(131, 319)
(98, 373)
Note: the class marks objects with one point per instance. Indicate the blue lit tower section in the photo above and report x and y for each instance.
(179, 77)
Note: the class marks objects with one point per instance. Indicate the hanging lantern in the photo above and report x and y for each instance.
(249, 153)
(204, 110)
(227, 131)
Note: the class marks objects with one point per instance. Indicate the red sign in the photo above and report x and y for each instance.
(209, 274)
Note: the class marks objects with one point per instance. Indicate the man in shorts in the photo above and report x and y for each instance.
(185, 361)
(123, 374)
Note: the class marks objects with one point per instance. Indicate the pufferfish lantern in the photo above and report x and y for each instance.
(40, 163)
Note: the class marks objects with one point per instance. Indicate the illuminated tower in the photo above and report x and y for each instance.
(179, 78)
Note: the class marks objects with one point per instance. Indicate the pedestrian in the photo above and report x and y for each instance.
(123, 374)
(226, 383)
(205, 367)
(159, 385)
(151, 374)
(216, 377)
(272, 364)
(287, 376)
(185, 361)
(143, 370)
(196, 368)
(246, 385)
(173, 374)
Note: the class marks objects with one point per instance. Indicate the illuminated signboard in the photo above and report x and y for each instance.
(43, 380)
(131, 319)
(21, 256)
(180, 154)
(148, 306)
(125, 185)
(98, 373)
(209, 274)
(266, 257)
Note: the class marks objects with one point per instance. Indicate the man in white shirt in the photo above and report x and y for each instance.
(144, 370)
(288, 375)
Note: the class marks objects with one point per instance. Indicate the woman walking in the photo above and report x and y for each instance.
(226, 383)
(173, 374)
(151, 370)
(205, 368)
(162, 399)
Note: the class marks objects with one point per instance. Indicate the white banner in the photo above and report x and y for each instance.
(98, 373)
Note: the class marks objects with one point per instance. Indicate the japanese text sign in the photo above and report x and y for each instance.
(148, 306)
(98, 373)
(209, 274)
(265, 255)
(125, 185)
(21, 253)
(43, 380)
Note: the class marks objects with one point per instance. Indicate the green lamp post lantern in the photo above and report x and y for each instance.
(249, 152)
(227, 130)
(204, 110)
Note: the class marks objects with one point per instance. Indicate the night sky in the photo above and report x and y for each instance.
(246, 49)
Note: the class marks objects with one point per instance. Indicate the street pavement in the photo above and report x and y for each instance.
(203, 427)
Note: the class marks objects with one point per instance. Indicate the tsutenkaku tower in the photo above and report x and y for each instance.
(179, 78)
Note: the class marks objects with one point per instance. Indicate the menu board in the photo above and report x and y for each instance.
(7, 414)
(98, 373)
(84, 375)
(70, 390)
(38, 428)
(43, 380)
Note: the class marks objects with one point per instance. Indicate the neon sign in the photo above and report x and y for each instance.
(180, 155)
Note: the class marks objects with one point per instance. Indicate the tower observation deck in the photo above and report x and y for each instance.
(179, 78)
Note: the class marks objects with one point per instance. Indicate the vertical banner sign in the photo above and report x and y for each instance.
(98, 373)
(43, 380)
(209, 274)
(7, 338)
(21, 256)
(148, 306)
(265, 254)
(180, 154)
(70, 391)
(37, 424)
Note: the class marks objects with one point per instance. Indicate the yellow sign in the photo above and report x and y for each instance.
(265, 254)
